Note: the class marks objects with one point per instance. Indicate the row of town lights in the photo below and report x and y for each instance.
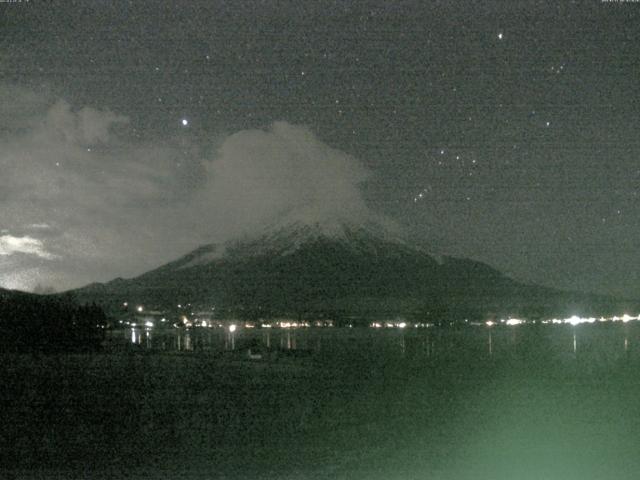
(573, 320)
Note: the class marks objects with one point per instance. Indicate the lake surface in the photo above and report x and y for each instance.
(523, 402)
(602, 341)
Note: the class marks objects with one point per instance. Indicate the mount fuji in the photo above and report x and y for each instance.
(338, 270)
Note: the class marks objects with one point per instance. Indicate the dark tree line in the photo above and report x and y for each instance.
(49, 324)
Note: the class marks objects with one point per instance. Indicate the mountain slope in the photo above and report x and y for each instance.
(342, 271)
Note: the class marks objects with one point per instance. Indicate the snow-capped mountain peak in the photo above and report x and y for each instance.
(287, 237)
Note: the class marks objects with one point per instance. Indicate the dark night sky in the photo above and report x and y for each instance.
(502, 131)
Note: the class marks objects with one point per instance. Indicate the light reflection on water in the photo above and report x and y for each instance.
(607, 342)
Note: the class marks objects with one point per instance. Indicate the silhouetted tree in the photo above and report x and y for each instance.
(41, 323)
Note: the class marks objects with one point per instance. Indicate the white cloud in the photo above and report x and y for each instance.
(260, 176)
(39, 226)
(10, 245)
(128, 206)
(84, 127)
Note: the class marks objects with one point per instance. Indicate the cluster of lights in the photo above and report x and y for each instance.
(402, 324)
(573, 320)
(189, 323)
(292, 324)
(514, 321)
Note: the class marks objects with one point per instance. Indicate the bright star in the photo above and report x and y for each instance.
(500, 36)
(185, 122)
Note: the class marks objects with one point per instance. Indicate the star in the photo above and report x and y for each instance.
(185, 122)
(500, 36)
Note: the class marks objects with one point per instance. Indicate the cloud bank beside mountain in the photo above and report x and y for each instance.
(84, 199)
